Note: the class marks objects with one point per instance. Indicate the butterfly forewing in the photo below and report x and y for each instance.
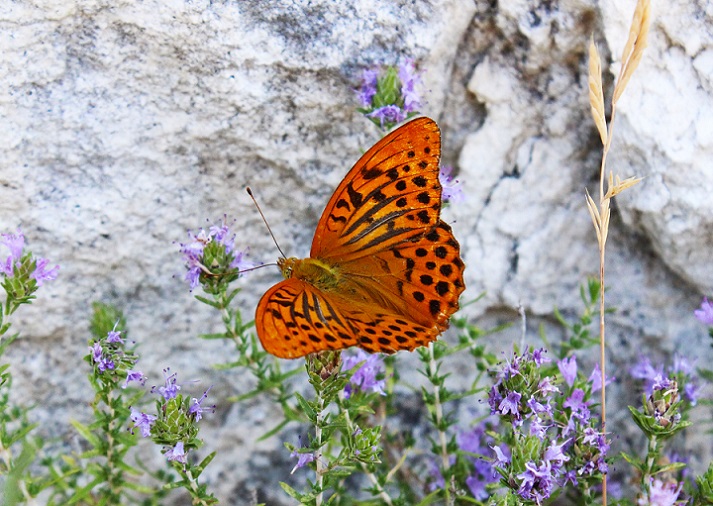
(390, 196)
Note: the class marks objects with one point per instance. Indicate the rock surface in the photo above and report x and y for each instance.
(125, 124)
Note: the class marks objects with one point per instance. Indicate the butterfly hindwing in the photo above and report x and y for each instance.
(421, 280)
(294, 319)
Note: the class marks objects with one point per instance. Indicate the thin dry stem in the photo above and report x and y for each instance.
(601, 214)
(596, 95)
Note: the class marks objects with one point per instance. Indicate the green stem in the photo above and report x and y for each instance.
(445, 461)
(318, 438)
(194, 489)
(372, 478)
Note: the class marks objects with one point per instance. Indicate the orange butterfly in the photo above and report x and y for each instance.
(384, 271)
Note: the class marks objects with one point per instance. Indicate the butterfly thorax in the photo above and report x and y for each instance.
(315, 272)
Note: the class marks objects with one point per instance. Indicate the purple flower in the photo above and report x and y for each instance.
(435, 481)
(537, 482)
(546, 387)
(595, 439)
(193, 251)
(41, 273)
(114, 337)
(96, 352)
(142, 421)
(705, 313)
(106, 363)
(576, 401)
(388, 114)
(197, 410)
(369, 80)
(132, 375)
(661, 383)
(452, 190)
(302, 459)
(511, 405)
(102, 361)
(177, 453)
(538, 355)
(221, 234)
(501, 459)
(476, 484)
(691, 391)
(538, 429)
(681, 365)
(193, 256)
(365, 378)
(409, 80)
(471, 441)
(15, 243)
(662, 494)
(643, 370)
(555, 455)
(537, 407)
(474, 441)
(568, 368)
(239, 262)
(170, 388)
(570, 477)
(596, 379)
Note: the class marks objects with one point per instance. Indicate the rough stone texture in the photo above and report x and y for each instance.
(124, 124)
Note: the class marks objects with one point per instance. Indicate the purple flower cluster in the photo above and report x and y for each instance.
(366, 378)
(477, 443)
(103, 361)
(16, 243)
(705, 312)
(505, 398)
(184, 411)
(169, 389)
(559, 424)
(662, 494)
(193, 251)
(388, 96)
(109, 354)
(657, 378)
(452, 189)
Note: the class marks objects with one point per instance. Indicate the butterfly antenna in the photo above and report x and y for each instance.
(250, 192)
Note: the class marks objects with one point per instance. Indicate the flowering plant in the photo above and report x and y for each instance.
(539, 439)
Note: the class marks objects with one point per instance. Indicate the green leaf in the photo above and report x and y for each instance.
(291, 491)
(306, 407)
(86, 433)
(274, 430)
(205, 300)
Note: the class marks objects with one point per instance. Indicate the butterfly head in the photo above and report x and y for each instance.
(287, 265)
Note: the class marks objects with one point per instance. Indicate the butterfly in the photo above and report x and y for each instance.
(384, 271)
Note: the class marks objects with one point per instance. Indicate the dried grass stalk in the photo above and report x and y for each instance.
(635, 45)
(615, 188)
(596, 95)
(594, 213)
